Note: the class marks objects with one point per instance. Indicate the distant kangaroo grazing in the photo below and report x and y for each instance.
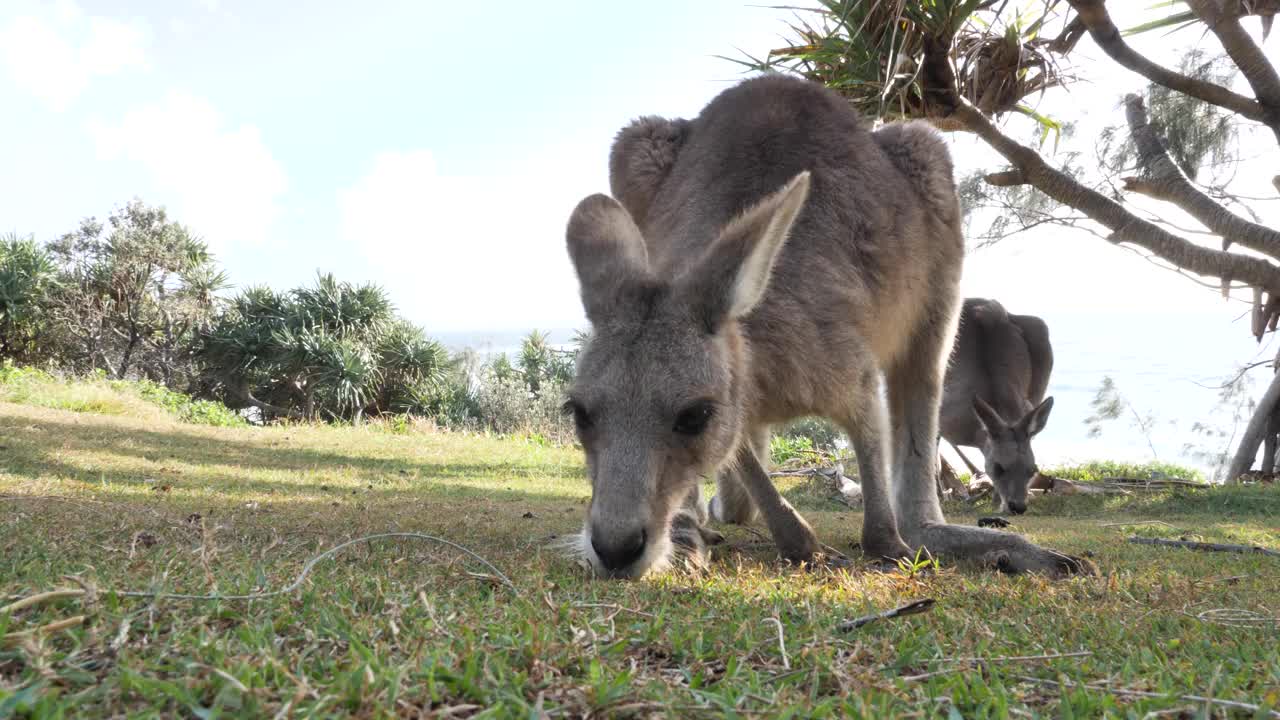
(993, 395)
(772, 258)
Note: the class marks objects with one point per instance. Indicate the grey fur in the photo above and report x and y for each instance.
(794, 263)
(994, 394)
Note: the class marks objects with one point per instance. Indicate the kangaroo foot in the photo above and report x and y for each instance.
(711, 537)
(1002, 551)
(888, 545)
(830, 561)
(798, 546)
(1047, 562)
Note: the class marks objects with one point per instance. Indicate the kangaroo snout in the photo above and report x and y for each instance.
(618, 550)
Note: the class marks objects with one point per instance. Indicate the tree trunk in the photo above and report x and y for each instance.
(1269, 451)
(1269, 444)
(241, 391)
(127, 358)
(1254, 433)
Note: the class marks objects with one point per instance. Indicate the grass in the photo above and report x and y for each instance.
(141, 501)
(139, 398)
(1102, 469)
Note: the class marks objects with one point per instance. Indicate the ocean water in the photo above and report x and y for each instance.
(1165, 365)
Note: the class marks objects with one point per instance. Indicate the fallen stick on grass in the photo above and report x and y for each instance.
(42, 630)
(911, 608)
(1206, 547)
(1158, 696)
(37, 599)
(1062, 486)
(966, 663)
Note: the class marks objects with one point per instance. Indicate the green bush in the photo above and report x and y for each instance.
(183, 407)
(824, 435)
(783, 448)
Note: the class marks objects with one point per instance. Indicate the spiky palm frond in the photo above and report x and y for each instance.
(872, 52)
(407, 354)
(1178, 17)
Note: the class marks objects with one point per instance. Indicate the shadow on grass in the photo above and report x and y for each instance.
(226, 464)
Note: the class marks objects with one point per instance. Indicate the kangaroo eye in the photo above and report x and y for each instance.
(693, 420)
(580, 417)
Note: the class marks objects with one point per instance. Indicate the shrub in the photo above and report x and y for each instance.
(1096, 470)
(783, 448)
(183, 407)
(823, 434)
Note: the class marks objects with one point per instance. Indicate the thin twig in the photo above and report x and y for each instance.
(37, 599)
(1014, 658)
(43, 629)
(1238, 617)
(965, 662)
(782, 643)
(614, 606)
(1206, 547)
(1142, 522)
(1143, 694)
(911, 608)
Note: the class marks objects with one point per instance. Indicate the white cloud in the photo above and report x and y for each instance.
(56, 57)
(460, 253)
(222, 181)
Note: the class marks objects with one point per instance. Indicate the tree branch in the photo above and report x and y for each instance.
(240, 390)
(940, 87)
(1094, 15)
(1223, 19)
(1124, 225)
(1005, 178)
(1166, 181)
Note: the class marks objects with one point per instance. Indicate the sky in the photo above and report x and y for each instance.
(435, 148)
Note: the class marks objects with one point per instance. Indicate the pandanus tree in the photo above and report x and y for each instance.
(331, 350)
(966, 65)
(27, 279)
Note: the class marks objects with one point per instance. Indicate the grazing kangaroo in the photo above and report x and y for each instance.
(770, 259)
(993, 395)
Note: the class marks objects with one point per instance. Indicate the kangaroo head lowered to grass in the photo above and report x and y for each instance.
(770, 259)
(993, 396)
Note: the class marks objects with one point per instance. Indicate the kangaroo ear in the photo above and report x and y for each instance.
(608, 253)
(1035, 420)
(990, 419)
(642, 156)
(732, 276)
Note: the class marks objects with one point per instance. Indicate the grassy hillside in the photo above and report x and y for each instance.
(135, 499)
